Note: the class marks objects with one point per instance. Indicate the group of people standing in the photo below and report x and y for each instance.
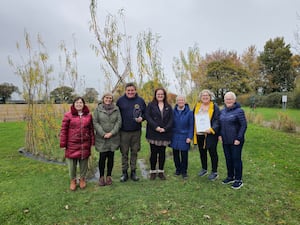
(118, 125)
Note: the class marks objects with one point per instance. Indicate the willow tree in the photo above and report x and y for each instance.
(34, 71)
(149, 60)
(188, 73)
(113, 46)
(68, 65)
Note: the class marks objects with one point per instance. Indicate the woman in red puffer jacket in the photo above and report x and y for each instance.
(77, 138)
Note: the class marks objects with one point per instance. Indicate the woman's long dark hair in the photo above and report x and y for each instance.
(165, 94)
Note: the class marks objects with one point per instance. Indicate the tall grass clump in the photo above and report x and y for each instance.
(253, 117)
(284, 123)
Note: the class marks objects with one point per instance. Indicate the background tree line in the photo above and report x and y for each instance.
(254, 74)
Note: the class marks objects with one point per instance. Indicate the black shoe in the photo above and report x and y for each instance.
(133, 176)
(177, 173)
(124, 176)
(228, 180)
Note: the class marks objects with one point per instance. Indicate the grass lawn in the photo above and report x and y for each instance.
(270, 114)
(33, 192)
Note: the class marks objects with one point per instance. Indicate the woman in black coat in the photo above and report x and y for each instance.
(159, 116)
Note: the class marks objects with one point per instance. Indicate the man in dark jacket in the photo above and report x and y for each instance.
(132, 108)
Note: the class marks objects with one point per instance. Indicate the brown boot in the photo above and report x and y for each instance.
(101, 181)
(161, 174)
(108, 180)
(82, 183)
(152, 174)
(73, 185)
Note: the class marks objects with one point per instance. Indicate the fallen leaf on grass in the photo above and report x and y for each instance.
(206, 217)
(66, 207)
(26, 211)
(164, 211)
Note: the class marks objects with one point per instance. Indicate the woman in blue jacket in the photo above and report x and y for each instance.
(232, 134)
(183, 126)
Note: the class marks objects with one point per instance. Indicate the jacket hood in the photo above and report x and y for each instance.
(85, 110)
(235, 106)
(186, 107)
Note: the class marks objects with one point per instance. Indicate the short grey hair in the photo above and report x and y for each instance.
(232, 94)
(180, 96)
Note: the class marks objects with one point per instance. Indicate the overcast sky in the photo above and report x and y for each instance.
(213, 25)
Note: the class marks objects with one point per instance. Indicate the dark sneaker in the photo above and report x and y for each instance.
(202, 173)
(124, 177)
(228, 180)
(213, 176)
(237, 184)
(177, 173)
(133, 176)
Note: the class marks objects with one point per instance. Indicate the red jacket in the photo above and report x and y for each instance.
(77, 134)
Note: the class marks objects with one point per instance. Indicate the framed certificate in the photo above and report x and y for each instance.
(202, 122)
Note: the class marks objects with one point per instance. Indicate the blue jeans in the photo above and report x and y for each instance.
(234, 164)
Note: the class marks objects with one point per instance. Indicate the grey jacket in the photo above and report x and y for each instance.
(105, 122)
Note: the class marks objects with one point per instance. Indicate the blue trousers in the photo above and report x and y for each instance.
(234, 164)
(180, 160)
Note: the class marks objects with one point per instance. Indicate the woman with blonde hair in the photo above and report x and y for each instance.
(206, 130)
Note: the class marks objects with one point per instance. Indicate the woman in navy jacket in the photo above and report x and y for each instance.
(159, 116)
(183, 126)
(232, 134)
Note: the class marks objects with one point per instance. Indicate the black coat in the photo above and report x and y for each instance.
(155, 119)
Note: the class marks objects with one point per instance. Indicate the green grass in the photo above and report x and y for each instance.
(33, 192)
(270, 114)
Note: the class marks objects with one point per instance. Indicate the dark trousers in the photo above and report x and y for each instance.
(109, 156)
(157, 152)
(180, 160)
(234, 164)
(203, 154)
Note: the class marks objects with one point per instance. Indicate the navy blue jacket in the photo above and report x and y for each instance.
(154, 120)
(233, 124)
(130, 109)
(183, 128)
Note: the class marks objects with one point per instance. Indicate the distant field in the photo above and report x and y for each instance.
(17, 112)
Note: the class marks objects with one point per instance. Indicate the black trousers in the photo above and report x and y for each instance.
(203, 154)
(157, 152)
(109, 157)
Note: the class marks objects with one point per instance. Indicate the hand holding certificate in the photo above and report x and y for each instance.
(202, 122)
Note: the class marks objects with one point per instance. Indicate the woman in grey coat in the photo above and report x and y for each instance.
(107, 123)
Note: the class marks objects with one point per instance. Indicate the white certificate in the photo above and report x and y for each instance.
(202, 122)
